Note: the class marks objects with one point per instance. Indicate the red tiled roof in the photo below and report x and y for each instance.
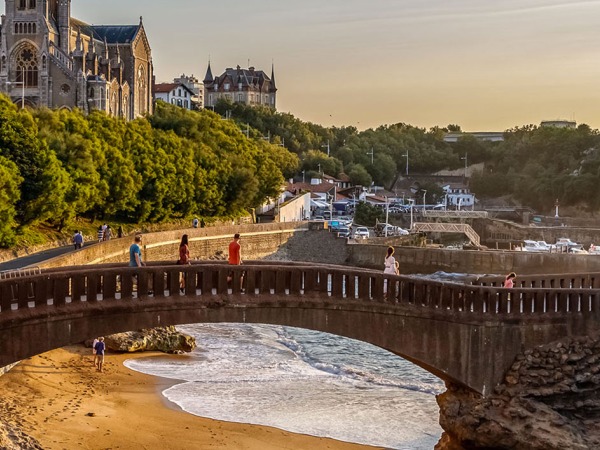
(165, 87)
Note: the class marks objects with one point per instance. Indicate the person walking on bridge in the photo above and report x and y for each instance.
(235, 256)
(389, 267)
(184, 259)
(509, 280)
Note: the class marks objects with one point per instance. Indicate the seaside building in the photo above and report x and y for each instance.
(249, 86)
(559, 123)
(489, 136)
(49, 59)
(177, 94)
(197, 88)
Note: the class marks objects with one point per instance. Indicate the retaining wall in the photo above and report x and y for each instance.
(418, 260)
(257, 242)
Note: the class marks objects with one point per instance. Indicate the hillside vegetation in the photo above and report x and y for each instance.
(57, 166)
(534, 165)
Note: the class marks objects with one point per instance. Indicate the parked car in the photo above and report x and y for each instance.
(344, 232)
(361, 233)
(319, 218)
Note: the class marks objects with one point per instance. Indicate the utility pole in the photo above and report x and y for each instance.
(326, 146)
(372, 153)
(387, 215)
(406, 162)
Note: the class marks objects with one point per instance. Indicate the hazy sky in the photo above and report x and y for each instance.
(483, 64)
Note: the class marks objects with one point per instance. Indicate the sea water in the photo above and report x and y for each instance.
(304, 382)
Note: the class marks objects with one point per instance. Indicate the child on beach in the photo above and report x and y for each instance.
(94, 351)
(100, 347)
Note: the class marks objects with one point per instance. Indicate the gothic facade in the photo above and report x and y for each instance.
(249, 86)
(49, 59)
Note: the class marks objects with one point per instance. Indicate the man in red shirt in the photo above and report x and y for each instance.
(235, 256)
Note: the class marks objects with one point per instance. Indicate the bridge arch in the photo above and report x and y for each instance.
(467, 335)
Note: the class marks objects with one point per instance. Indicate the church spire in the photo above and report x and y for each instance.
(208, 78)
(273, 87)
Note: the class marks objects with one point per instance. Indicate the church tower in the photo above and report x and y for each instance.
(64, 24)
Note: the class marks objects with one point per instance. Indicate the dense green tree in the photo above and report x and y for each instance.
(368, 215)
(9, 195)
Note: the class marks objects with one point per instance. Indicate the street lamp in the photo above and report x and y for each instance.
(424, 194)
(387, 214)
(303, 173)
(406, 162)
(412, 203)
(466, 162)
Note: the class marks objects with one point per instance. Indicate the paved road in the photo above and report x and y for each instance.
(36, 258)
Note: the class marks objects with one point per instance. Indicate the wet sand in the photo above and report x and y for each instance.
(61, 400)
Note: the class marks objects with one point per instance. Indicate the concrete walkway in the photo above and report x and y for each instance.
(36, 258)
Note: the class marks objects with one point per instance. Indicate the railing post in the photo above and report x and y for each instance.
(337, 285)
(251, 281)
(109, 286)
(296, 282)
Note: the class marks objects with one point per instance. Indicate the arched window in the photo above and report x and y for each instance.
(141, 90)
(114, 104)
(32, 4)
(22, 4)
(125, 106)
(27, 66)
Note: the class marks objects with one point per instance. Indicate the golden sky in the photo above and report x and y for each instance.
(487, 65)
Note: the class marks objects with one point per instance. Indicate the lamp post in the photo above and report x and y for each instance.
(387, 214)
(303, 174)
(465, 158)
(556, 204)
(372, 153)
(424, 195)
(406, 162)
(412, 203)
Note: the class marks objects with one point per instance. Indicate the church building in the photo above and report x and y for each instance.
(249, 86)
(49, 59)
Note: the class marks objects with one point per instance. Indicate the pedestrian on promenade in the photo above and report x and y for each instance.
(100, 233)
(389, 266)
(120, 232)
(509, 280)
(107, 233)
(184, 259)
(100, 348)
(235, 256)
(195, 222)
(78, 240)
(104, 227)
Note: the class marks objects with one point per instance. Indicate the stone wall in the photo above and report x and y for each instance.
(505, 233)
(424, 260)
(257, 242)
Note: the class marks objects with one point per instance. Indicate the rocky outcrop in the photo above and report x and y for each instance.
(12, 438)
(550, 399)
(163, 339)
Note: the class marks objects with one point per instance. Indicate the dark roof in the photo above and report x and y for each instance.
(112, 34)
(245, 77)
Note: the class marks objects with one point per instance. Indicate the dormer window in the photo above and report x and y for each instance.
(226, 86)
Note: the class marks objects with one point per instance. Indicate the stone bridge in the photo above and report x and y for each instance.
(467, 334)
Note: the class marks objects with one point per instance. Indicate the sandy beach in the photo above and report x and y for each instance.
(61, 400)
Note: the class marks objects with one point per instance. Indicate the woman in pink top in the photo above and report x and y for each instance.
(508, 281)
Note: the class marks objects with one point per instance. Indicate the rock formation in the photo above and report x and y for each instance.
(12, 438)
(550, 399)
(163, 339)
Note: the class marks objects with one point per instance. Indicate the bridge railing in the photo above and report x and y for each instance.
(302, 282)
(552, 281)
